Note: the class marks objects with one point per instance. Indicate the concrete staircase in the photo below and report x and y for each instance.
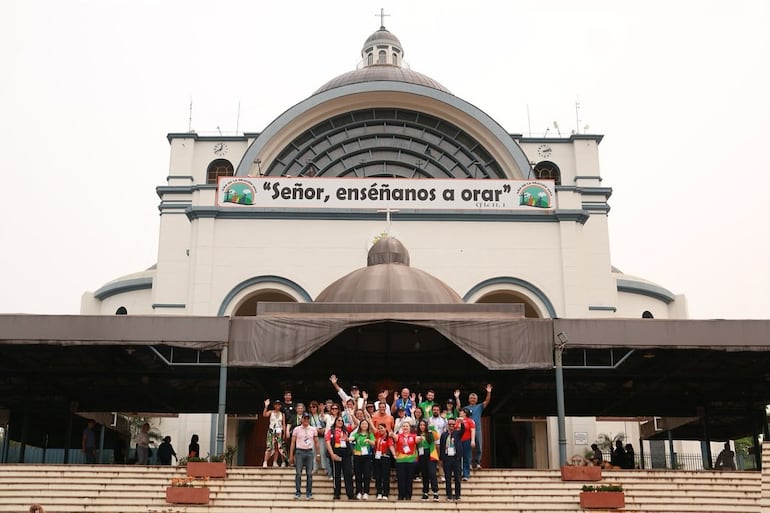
(134, 489)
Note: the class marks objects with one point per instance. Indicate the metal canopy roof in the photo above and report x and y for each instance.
(170, 364)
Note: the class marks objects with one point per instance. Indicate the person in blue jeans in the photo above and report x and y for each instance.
(468, 430)
(304, 446)
(476, 410)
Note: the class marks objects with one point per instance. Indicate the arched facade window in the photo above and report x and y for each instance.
(647, 315)
(382, 57)
(121, 311)
(217, 168)
(248, 307)
(508, 296)
(546, 170)
(395, 59)
(370, 59)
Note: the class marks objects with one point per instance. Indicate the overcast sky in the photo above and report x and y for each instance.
(680, 90)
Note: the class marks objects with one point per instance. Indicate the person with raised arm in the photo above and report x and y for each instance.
(355, 394)
(476, 410)
(274, 440)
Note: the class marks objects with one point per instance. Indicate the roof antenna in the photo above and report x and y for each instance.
(189, 120)
(577, 115)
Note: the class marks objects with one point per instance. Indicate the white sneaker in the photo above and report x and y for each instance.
(283, 464)
(365, 497)
(358, 496)
(379, 496)
(264, 464)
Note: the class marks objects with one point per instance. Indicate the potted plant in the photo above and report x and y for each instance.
(602, 497)
(580, 469)
(184, 491)
(214, 466)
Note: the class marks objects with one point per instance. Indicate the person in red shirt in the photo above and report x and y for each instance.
(383, 448)
(338, 445)
(469, 441)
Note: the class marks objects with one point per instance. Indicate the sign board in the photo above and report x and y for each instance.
(385, 193)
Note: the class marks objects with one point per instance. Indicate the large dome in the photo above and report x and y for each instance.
(382, 73)
(389, 279)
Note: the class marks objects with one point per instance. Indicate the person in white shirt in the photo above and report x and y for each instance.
(354, 393)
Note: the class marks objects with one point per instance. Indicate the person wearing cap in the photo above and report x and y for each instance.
(468, 440)
(303, 451)
(354, 393)
(452, 407)
(274, 441)
(476, 409)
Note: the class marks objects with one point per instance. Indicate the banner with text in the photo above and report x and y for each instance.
(385, 193)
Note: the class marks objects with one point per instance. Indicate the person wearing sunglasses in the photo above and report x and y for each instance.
(338, 445)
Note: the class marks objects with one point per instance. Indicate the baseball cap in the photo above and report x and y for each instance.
(306, 415)
(354, 387)
(450, 401)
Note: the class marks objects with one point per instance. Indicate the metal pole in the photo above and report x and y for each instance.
(222, 401)
(558, 349)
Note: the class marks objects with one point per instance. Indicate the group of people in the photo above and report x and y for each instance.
(166, 451)
(355, 440)
(620, 457)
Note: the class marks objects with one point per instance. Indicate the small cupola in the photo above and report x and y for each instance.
(382, 49)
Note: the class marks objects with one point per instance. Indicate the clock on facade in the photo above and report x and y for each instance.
(544, 150)
(220, 148)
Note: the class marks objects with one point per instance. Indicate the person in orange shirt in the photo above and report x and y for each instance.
(381, 417)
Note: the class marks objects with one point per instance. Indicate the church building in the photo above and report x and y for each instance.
(384, 188)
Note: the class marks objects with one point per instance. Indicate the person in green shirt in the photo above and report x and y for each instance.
(427, 405)
(426, 458)
(363, 445)
(453, 407)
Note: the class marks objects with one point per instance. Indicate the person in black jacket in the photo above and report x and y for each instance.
(618, 458)
(450, 454)
(166, 451)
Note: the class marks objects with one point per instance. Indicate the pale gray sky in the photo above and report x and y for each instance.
(89, 89)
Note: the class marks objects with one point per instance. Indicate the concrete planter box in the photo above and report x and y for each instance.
(205, 469)
(187, 495)
(602, 500)
(581, 473)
